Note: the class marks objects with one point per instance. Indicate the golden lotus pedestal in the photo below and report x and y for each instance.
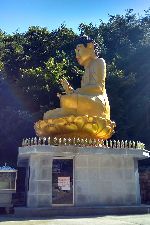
(75, 126)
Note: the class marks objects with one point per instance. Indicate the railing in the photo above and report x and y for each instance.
(82, 142)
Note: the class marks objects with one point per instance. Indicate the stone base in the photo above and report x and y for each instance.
(81, 211)
(102, 176)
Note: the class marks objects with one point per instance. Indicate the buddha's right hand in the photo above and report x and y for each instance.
(66, 86)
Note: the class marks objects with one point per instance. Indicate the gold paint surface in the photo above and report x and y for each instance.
(84, 112)
(80, 126)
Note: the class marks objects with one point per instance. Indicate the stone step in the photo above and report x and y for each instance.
(81, 211)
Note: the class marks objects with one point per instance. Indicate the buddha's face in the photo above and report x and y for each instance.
(83, 54)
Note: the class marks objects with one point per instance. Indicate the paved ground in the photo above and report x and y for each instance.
(103, 220)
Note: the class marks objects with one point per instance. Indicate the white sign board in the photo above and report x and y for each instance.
(64, 183)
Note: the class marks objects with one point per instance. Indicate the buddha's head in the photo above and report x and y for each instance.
(84, 50)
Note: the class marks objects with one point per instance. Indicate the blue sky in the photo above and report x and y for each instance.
(20, 14)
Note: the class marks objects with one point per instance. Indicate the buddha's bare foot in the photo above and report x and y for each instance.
(52, 114)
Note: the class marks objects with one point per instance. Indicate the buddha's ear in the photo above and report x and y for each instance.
(90, 45)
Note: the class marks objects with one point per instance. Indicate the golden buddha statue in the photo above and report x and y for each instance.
(84, 112)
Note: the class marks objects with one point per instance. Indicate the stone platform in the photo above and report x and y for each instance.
(101, 177)
(81, 211)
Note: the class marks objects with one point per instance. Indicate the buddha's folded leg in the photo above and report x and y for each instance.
(76, 104)
(83, 105)
(57, 113)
